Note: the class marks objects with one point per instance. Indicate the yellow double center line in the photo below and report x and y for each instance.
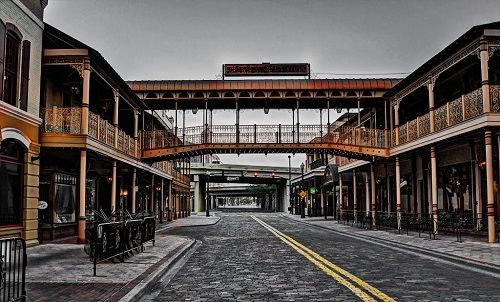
(359, 287)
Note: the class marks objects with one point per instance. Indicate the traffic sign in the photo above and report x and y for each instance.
(302, 194)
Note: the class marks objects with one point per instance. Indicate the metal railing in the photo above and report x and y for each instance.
(447, 223)
(264, 134)
(67, 120)
(452, 113)
(117, 241)
(13, 261)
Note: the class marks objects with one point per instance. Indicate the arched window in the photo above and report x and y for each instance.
(11, 182)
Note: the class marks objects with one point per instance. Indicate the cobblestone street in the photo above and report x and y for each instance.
(239, 259)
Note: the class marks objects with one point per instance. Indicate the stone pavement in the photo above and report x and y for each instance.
(239, 260)
(470, 249)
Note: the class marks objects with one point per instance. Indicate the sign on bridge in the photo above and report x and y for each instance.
(266, 69)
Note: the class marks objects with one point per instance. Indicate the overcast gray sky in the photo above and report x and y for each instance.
(191, 39)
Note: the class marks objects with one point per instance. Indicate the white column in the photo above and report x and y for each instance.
(490, 208)
(430, 89)
(485, 86)
(85, 97)
(82, 186)
(398, 193)
(434, 189)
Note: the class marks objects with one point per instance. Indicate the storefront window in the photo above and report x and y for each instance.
(11, 173)
(64, 201)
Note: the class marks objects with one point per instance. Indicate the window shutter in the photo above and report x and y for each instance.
(2, 56)
(25, 75)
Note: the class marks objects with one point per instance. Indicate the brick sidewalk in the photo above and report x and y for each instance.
(469, 249)
(63, 272)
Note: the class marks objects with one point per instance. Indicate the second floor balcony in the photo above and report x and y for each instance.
(68, 121)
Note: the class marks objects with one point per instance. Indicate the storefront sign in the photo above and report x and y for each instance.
(232, 178)
(42, 205)
(266, 69)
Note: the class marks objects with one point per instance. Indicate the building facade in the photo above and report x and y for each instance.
(21, 32)
(443, 123)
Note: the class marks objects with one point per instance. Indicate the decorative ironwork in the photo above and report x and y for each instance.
(93, 125)
(440, 118)
(264, 134)
(495, 98)
(403, 135)
(412, 130)
(455, 111)
(473, 103)
(65, 120)
(424, 125)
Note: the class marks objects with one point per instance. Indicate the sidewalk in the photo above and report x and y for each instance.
(63, 272)
(195, 220)
(470, 249)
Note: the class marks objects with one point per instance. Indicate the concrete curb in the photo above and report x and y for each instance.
(478, 265)
(147, 283)
(169, 227)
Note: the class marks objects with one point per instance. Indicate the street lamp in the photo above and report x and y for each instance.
(302, 210)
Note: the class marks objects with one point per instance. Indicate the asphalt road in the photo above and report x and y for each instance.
(264, 257)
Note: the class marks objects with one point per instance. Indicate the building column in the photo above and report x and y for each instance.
(434, 190)
(152, 194)
(355, 195)
(367, 194)
(136, 132)
(169, 205)
(134, 186)
(115, 115)
(82, 186)
(198, 196)
(396, 121)
(113, 189)
(374, 202)
(490, 207)
(388, 188)
(398, 193)
(85, 97)
(430, 89)
(162, 202)
(341, 195)
(485, 85)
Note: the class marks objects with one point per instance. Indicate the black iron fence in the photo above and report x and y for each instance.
(116, 241)
(12, 269)
(446, 223)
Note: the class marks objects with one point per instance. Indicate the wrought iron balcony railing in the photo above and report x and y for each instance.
(466, 107)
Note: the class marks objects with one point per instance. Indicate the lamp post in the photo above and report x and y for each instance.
(302, 202)
(290, 184)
